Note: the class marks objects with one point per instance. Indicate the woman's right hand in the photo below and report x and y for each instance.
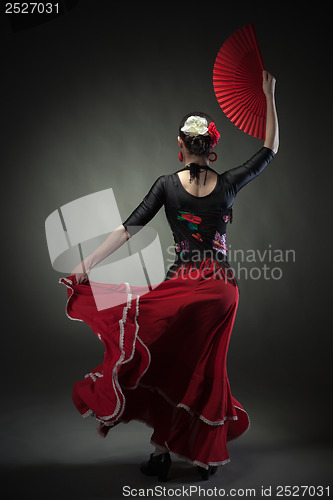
(80, 277)
(268, 83)
(272, 126)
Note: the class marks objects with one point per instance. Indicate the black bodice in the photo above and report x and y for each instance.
(198, 224)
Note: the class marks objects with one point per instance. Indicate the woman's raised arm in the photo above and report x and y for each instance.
(272, 126)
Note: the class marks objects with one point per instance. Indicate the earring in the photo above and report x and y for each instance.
(212, 157)
(180, 156)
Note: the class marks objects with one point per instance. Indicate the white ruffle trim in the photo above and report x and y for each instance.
(188, 409)
(121, 401)
(193, 462)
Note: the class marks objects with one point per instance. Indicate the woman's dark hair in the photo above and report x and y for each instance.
(200, 144)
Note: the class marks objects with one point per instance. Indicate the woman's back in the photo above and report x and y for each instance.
(205, 186)
(198, 214)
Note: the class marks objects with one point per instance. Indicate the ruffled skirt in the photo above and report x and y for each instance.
(164, 362)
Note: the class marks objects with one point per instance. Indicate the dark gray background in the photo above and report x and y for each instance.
(92, 100)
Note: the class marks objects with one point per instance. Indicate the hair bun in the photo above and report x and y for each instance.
(198, 145)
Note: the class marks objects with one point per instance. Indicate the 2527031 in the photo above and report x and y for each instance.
(31, 8)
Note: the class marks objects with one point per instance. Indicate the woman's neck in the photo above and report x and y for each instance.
(198, 160)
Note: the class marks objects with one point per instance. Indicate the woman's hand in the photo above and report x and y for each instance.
(80, 273)
(110, 245)
(272, 125)
(268, 84)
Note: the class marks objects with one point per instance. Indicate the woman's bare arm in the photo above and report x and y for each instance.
(114, 241)
(142, 214)
(272, 126)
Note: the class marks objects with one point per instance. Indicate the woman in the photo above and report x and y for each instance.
(165, 351)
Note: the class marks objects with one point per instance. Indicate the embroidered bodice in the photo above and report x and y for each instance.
(198, 224)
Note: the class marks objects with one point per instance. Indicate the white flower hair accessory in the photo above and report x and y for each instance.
(195, 125)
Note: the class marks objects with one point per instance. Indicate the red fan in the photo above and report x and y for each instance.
(237, 80)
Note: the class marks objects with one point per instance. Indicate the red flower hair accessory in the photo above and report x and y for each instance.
(214, 134)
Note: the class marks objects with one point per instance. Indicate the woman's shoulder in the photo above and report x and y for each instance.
(160, 183)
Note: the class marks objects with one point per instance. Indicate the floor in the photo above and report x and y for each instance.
(49, 451)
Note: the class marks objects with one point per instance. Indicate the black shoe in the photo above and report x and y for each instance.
(157, 466)
(205, 473)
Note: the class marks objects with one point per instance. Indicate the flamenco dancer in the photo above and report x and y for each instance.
(166, 350)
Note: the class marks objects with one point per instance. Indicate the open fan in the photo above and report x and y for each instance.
(237, 80)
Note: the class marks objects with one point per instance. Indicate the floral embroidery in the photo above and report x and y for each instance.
(193, 220)
(226, 218)
(183, 247)
(219, 243)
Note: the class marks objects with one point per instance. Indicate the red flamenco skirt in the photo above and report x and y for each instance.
(165, 361)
